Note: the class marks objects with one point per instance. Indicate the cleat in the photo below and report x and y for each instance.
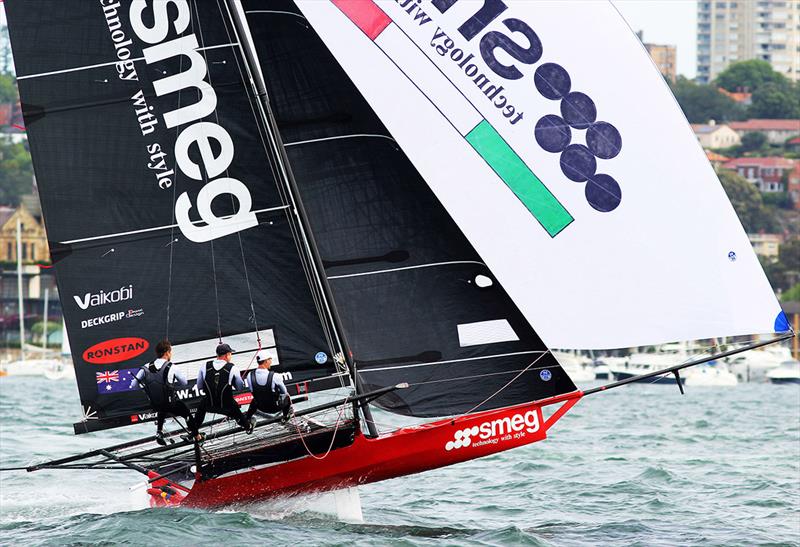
(160, 438)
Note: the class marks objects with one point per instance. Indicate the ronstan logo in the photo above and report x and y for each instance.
(488, 432)
(90, 300)
(115, 351)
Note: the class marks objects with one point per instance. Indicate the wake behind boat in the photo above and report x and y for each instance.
(379, 194)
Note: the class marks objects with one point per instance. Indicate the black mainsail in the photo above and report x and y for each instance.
(130, 121)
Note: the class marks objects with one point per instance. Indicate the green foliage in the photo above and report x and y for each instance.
(749, 75)
(8, 89)
(778, 100)
(791, 295)
(16, 173)
(789, 254)
(52, 326)
(781, 200)
(747, 202)
(701, 103)
(753, 141)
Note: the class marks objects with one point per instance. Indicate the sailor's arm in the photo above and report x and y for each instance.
(277, 379)
(201, 377)
(236, 378)
(177, 377)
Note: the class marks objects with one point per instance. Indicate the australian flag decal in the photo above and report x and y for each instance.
(116, 381)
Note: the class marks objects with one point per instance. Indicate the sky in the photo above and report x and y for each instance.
(670, 22)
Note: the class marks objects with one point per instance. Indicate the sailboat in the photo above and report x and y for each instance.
(407, 202)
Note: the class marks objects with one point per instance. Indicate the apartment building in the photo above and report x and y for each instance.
(730, 31)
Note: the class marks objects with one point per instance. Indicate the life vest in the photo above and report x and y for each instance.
(157, 386)
(217, 384)
(266, 397)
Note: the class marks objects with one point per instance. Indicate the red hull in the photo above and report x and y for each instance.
(403, 452)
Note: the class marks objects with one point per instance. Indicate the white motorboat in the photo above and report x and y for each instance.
(32, 367)
(579, 367)
(713, 374)
(787, 373)
(753, 366)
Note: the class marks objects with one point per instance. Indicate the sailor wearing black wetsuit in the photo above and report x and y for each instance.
(217, 379)
(269, 391)
(158, 379)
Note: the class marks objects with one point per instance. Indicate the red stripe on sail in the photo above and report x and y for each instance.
(365, 14)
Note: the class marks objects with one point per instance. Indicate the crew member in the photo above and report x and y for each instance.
(158, 379)
(269, 391)
(218, 378)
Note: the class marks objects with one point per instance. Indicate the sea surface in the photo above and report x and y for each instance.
(639, 465)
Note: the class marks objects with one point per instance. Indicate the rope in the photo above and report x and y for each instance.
(333, 437)
(511, 381)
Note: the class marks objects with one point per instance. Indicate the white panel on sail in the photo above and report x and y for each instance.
(486, 332)
(595, 208)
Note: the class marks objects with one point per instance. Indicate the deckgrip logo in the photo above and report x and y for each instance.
(115, 351)
(489, 431)
(91, 300)
(212, 145)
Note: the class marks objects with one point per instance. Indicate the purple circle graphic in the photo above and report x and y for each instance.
(578, 163)
(603, 193)
(603, 140)
(552, 81)
(552, 133)
(578, 110)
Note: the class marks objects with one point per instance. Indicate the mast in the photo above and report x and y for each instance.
(19, 293)
(286, 176)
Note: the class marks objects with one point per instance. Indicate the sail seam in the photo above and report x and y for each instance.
(354, 135)
(432, 264)
(110, 63)
(366, 370)
(145, 230)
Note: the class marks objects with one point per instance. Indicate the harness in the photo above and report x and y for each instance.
(266, 397)
(217, 384)
(157, 386)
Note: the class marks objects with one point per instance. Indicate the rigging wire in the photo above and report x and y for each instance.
(227, 175)
(291, 219)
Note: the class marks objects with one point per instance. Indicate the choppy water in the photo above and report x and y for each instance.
(641, 465)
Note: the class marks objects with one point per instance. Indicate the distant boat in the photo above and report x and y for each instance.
(579, 368)
(753, 366)
(643, 363)
(34, 367)
(713, 374)
(787, 373)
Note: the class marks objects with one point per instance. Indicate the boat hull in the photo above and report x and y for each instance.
(403, 452)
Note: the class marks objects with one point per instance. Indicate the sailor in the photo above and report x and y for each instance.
(269, 391)
(218, 378)
(158, 378)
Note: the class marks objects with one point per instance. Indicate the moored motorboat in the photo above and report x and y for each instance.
(787, 373)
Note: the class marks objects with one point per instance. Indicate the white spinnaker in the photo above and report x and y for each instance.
(671, 262)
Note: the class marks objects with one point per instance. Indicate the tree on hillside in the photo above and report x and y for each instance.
(16, 173)
(750, 75)
(701, 103)
(776, 100)
(753, 141)
(746, 200)
(8, 89)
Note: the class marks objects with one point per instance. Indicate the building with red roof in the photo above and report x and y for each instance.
(765, 173)
(776, 131)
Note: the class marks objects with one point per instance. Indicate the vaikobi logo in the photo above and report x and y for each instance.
(91, 300)
(491, 432)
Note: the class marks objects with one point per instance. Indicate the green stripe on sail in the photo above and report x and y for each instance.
(512, 170)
